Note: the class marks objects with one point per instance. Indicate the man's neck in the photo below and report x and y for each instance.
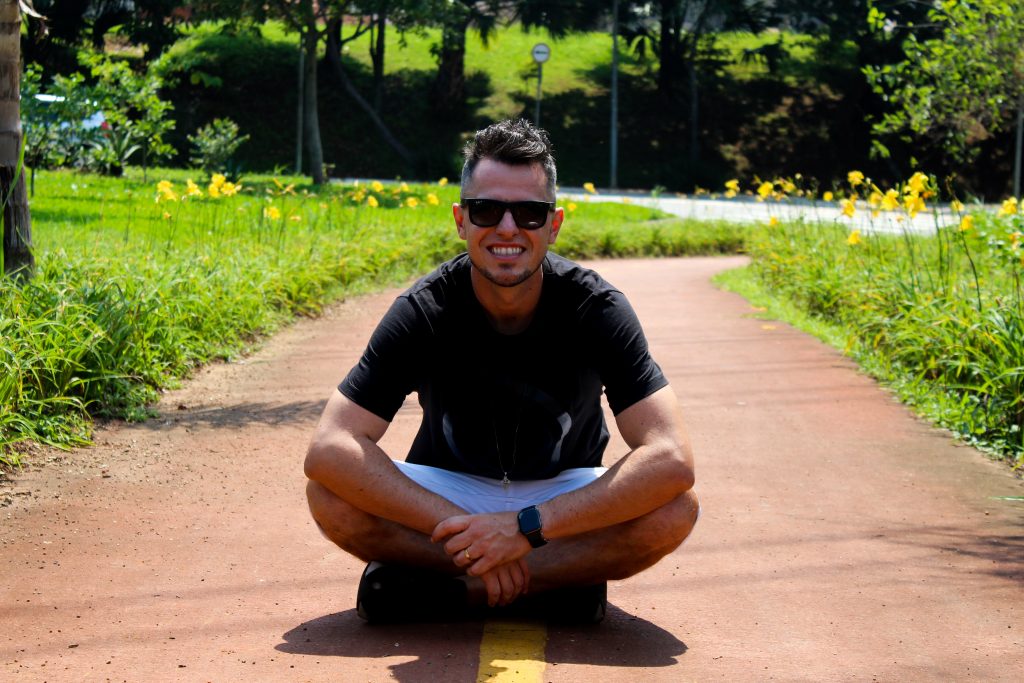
(509, 309)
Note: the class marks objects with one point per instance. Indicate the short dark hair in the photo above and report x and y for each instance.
(514, 142)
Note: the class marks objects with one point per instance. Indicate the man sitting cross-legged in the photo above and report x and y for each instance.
(502, 499)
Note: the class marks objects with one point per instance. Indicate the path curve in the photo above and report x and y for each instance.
(842, 538)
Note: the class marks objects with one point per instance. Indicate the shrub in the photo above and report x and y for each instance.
(214, 144)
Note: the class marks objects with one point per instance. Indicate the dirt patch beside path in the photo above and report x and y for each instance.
(842, 538)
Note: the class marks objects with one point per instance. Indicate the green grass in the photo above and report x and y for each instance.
(131, 294)
(938, 318)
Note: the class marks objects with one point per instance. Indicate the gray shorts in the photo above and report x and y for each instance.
(476, 494)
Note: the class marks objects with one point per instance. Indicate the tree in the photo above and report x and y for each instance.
(137, 116)
(961, 87)
(309, 18)
(448, 93)
(683, 34)
(18, 258)
(335, 41)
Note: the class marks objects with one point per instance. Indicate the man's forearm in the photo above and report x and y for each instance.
(359, 472)
(642, 481)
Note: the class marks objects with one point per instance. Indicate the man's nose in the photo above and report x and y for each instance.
(507, 225)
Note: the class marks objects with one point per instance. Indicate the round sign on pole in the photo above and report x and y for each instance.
(540, 53)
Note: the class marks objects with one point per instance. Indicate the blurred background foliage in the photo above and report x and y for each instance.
(709, 89)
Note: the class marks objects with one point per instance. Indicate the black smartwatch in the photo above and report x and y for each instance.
(530, 526)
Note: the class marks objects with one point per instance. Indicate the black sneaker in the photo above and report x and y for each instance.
(568, 605)
(576, 604)
(391, 593)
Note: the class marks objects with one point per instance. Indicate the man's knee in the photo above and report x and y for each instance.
(673, 522)
(339, 521)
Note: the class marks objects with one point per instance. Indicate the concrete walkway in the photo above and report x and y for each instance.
(842, 538)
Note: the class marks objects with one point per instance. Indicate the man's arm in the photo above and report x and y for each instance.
(657, 469)
(345, 458)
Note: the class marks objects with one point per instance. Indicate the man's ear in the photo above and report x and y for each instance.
(460, 218)
(556, 224)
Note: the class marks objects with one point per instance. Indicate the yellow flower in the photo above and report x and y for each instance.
(165, 192)
(372, 202)
(377, 186)
(571, 206)
(213, 190)
(875, 198)
(1015, 238)
(773, 221)
(764, 189)
(854, 238)
(966, 223)
(891, 200)
(228, 189)
(732, 188)
(442, 182)
(295, 218)
(1009, 207)
(432, 199)
(271, 212)
(788, 186)
(917, 182)
(589, 187)
(403, 187)
(855, 178)
(956, 205)
(167, 216)
(912, 203)
(828, 196)
(412, 202)
(849, 207)
(218, 180)
(192, 190)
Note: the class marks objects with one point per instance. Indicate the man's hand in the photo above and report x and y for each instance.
(506, 582)
(489, 546)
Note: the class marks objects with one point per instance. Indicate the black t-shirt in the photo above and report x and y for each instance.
(528, 404)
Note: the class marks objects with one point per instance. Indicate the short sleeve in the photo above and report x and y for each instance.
(627, 370)
(387, 371)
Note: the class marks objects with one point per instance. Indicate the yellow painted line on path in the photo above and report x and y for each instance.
(512, 652)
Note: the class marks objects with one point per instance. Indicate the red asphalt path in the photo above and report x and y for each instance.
(842, 538)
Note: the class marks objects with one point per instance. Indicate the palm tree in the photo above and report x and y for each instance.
(18, 259)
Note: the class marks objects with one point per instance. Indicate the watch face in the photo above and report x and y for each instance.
(529, 520)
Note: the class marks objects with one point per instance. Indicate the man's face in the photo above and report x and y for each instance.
(506, 254)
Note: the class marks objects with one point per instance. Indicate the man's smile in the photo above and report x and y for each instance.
(506, 251)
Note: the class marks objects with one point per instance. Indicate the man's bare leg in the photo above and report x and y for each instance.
(617, 552)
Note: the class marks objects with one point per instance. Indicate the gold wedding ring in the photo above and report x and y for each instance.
(468, 556)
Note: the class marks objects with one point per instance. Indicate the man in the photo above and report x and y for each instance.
(502, 496)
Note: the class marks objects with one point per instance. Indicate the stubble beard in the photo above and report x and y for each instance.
(504, 278)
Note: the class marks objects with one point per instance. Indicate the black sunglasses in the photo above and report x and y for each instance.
(528, 215)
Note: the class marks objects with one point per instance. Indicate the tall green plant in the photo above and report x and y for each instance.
(137, 116)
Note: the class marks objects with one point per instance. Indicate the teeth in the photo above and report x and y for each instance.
(507, 251)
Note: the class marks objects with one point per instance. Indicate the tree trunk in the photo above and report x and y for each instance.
(449, 92)
(314, 148)
(18, 259)
(377, 55)
(691, 69)
(669, 42)
(334, 59)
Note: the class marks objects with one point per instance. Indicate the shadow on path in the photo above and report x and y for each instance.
(450, 652)
(237, 415)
